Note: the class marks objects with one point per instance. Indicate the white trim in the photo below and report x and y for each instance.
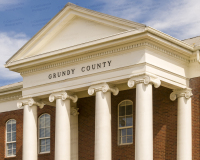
(39, 152)
(126, 127)
(11, 138)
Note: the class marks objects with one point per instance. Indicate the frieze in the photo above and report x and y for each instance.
(108, 52)
(85, 68)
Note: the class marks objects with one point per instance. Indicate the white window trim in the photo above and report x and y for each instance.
(43, 137)
(11, 139)
(119, 128)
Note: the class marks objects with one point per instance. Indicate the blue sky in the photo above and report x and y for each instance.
(22, 19)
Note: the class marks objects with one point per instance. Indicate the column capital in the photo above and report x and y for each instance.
(30, 102)
(182, 92)
(104, 87)
(74, 111)
(63, 95)
(144, 78)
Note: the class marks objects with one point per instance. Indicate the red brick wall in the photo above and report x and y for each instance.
(86, 124)
(4, 117)
(165, 124)
(18, 116)
(195, 85)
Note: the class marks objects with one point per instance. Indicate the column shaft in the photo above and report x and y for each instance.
(144, 122)
(30, 133)
(103, 149)
(62, 133)
(74, 137)
(184, 129)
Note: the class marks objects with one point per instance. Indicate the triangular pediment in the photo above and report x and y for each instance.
(78, 31)
(73, 26)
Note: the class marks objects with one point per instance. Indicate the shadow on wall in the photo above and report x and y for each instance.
(165, 125)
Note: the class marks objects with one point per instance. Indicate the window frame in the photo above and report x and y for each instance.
(39, 152)
(6, 147)
(126, 127)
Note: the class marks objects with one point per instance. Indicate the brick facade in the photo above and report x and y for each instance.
(164, 119)
(195, 85)
(4, 117)
(18, 116)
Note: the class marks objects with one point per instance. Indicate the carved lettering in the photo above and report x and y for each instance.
(88, 68)
(73, 71)
(104, 64)
(83, 69)
(59, 74)
(50, 76)
(98, 65)
(109, 62)
(93, 66)
(54, 75)
(63, 73)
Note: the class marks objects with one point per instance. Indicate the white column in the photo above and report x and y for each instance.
(30, 150)
(74, 133)
(184, 123)
(62, 132)
(103, 140)
(144, 115)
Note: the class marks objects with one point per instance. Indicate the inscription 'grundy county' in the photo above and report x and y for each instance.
(82, 69)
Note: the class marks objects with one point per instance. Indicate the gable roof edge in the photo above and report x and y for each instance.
(74, 6)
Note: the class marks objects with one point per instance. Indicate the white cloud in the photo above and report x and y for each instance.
(6, 4)
(9, 44)
(178, 18)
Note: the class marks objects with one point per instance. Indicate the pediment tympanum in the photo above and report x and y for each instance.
(73, 26)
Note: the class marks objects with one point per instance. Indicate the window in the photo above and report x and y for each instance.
(44, 133)
(11, 138)
(125, 122)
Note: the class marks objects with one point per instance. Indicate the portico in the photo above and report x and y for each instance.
(129, 55)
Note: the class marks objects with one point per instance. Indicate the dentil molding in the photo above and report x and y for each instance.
(10, 98)
(183, 92)
(104, 87)
(30, 102)
(104, 53)
(144, 78)
(62, 95)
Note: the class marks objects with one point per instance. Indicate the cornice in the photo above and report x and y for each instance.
(170, 38)
(10, 97)
(11, 87)
(193, 60)
(183, 92)
(105, 53)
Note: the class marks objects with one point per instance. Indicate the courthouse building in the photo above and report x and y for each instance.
(98, 87)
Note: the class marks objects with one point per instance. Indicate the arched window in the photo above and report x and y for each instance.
(10, 138)
(44, 133)
(125, 122)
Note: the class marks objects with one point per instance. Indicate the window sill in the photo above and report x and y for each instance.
(125, 144)
(44, 153)
(10, 157)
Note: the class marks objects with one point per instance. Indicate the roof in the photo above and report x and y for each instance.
(83, 10)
